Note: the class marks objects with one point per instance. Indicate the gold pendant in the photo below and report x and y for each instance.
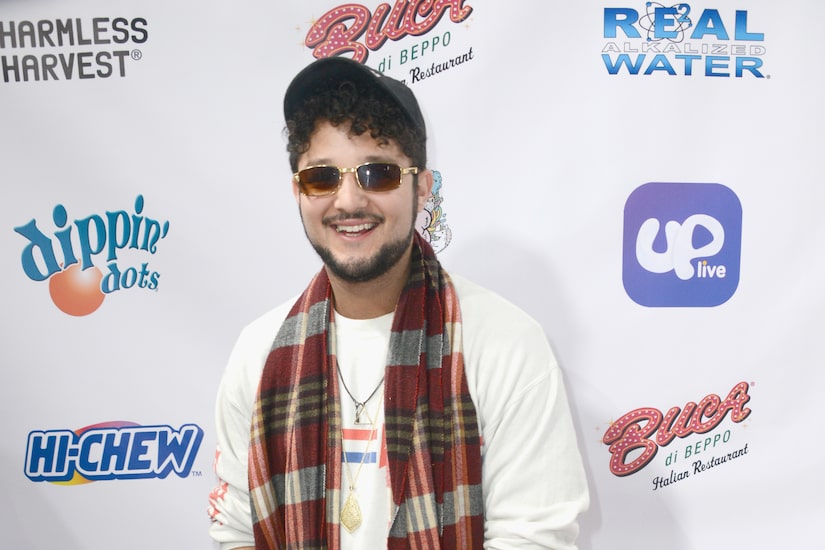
(351, 513)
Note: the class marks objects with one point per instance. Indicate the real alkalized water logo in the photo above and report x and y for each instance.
(682, 244)
(681, 39)
(67, 260)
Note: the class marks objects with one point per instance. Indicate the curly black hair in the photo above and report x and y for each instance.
(366, 109)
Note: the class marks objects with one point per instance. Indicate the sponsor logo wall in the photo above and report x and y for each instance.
(640, 177)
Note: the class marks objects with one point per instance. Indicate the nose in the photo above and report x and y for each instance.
(350, 197)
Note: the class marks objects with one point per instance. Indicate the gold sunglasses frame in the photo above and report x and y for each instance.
(341, 171)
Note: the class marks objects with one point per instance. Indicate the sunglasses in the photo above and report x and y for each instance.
(316, 181)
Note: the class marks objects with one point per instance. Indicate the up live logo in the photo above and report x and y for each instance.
(682, 244)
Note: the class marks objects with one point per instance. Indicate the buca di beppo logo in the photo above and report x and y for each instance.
(76, 285)
(338, 31)
(636, 437)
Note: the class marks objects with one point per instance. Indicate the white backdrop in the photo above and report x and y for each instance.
(168, 115)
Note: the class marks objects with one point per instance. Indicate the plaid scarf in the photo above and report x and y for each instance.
(431, 427)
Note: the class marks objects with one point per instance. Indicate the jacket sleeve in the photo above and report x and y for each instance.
(533, 478)
(229, 505)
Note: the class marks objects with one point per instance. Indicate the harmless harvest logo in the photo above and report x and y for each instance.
(69, 256)
(111, 450)
(72, 48)
(682, 39)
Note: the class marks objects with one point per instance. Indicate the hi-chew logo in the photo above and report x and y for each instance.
(681, 39)
(682, 244)
(71, 48)
(111, 450)
(76, 285)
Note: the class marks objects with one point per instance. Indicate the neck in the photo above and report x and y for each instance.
(374, 298)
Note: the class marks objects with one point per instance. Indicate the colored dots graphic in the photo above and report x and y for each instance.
(76, 291)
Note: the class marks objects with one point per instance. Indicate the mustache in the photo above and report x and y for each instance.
(347, 216)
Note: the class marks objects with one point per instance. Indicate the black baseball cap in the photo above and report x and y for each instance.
(329, 72)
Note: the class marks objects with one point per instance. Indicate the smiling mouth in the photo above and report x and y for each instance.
(354, 229)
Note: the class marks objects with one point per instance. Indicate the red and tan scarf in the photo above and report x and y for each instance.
(431, 426)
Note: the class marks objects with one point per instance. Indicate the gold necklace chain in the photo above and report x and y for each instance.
(351, 516)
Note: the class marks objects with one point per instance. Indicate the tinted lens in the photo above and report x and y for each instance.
(379, 176)
(319, 180)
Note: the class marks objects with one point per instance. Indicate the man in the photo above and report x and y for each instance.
(392, 405)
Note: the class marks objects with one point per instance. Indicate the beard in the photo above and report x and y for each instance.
(366, 269)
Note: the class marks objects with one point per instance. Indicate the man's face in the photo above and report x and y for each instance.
(360, 235)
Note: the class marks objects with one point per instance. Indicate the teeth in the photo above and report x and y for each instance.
(354, 228)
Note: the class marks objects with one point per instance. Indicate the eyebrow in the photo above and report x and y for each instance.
(328, 162)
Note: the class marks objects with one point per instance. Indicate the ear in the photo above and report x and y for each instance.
(425, 186)
(295, 191)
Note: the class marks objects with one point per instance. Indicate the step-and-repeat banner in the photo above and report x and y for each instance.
(645, 179)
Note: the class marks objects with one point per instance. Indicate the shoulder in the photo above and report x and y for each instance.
(492, 317)
(262, 331)
(506, 353)
(248, 357)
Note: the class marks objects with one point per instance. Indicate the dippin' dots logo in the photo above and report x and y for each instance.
(71, 48)
(681, 40)
(111, 450)
(76, 285)
(682, 244)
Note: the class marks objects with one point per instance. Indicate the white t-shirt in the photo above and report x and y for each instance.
(533, 480)
(361, 349)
